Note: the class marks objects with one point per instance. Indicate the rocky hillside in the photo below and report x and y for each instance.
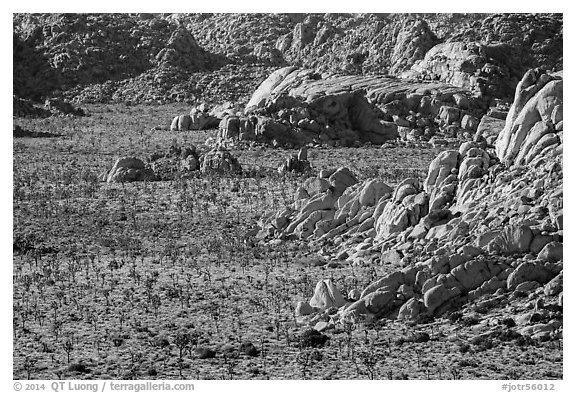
(219, 57)
(485, 227)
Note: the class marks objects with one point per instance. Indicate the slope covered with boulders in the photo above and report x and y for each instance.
(156, 58)
(486, 225)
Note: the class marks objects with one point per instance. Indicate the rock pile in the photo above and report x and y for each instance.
(483, 222)
(234, 127)
(183, 52)
(314, 212)
(177, 162)
(201, 118)
(297, 163)
(413, 41)
(491, 124)
(220, 160)
(232, 82)
(297, 107)
(129, 169)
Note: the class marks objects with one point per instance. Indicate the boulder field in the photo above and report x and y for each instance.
(487, 220)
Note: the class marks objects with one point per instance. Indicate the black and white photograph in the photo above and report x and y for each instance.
(286, 196)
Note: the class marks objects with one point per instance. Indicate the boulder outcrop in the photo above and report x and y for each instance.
(129, 169)
(530, 127)
(474, 227)
(298, 106)
(177, 162)
(297, 163)
(220, 160)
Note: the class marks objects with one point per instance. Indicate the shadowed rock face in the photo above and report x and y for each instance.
(74, 51)
(26, 108)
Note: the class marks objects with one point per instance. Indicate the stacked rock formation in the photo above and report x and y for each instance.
(297, 163)
(483, 221)
(235, 127)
